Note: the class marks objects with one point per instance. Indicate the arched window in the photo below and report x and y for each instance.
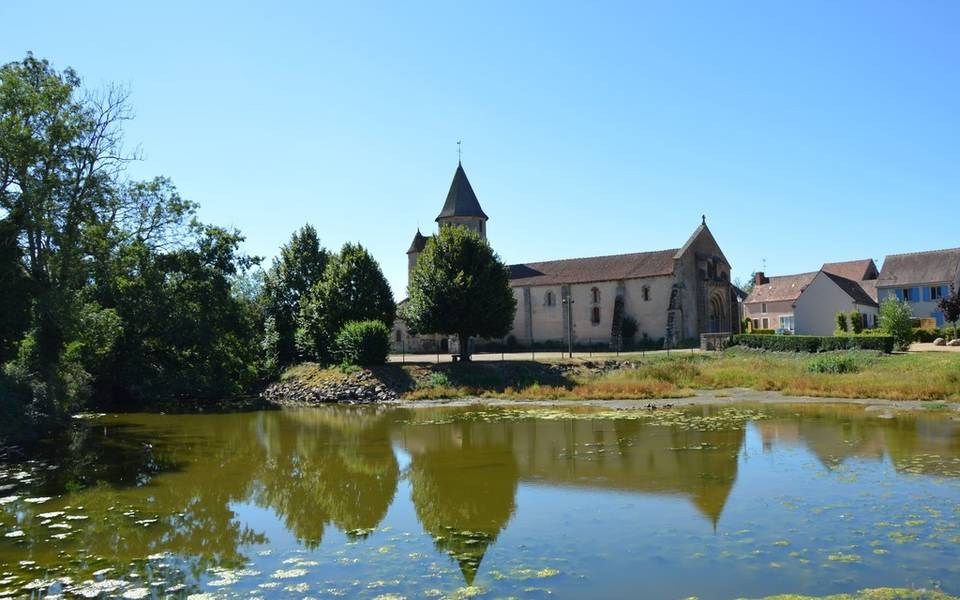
(595, 295)
(595, 315)
(399, 336)
(549, 299)
(646, 293)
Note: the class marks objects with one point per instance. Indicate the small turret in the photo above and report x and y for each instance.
(416, 247)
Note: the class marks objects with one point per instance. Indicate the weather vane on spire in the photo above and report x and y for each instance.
(459, 153)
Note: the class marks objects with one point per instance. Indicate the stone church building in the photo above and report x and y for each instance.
(673, 295)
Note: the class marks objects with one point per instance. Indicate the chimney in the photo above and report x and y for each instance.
(759, 278)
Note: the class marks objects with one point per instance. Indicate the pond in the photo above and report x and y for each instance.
(378, 502)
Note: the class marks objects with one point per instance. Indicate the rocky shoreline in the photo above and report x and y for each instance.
(354, 388)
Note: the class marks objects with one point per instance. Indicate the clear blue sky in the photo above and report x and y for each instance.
(806, 131)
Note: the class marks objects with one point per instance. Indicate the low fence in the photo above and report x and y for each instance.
(582, 348)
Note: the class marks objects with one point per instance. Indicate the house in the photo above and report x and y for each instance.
(921, 279)
(807, 303)
(674, 295)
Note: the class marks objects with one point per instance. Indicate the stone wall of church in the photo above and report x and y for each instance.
(541, 315)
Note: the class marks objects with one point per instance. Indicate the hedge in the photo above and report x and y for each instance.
(815, 343)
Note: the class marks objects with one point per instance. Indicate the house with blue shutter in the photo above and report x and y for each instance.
(920, 279)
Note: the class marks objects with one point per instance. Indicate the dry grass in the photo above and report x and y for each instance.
(917, 376)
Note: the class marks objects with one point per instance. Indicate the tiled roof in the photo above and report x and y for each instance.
(853, 289)
(596, 268)
(933, 266)
(782, 288)
(461, 201)
(870, 287)
(855, 270)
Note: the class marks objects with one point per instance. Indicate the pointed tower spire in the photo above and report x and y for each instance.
(462, 207)
(461, 200)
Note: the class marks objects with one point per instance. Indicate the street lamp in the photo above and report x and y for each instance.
(568, 301)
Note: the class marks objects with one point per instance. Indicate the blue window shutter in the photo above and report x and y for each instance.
(944, 291)
(915, 294)
(926, 294)
(939, 317)
(899, 294)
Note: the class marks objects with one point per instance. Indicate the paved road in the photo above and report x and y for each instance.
(539, 356)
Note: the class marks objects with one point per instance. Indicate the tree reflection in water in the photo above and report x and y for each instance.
(151, 484)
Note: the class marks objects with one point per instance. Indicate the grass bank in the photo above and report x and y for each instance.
(845, 374)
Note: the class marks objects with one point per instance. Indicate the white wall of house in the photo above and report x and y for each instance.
(922, 298)
(815, 311)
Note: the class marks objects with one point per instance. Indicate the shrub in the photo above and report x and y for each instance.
(833, 363)
(363, 343)
(895, 320)
(628, 327)
(925, 336)
(814, 343)
(841, 323)
(856, 322)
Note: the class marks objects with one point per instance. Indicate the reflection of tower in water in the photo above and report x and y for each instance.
(463, 492)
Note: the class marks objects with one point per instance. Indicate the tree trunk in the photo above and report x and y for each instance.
(464, 347)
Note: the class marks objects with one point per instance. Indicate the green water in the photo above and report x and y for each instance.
(716, 502)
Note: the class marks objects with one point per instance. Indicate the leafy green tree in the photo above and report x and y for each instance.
(841, 323)
(292, 276)
(352, 288)
(60, 160)
(896, 320)
(856, 321)
(112, 290)
(460, 287)
(14, 299)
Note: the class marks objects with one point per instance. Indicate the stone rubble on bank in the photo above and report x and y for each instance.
(355, 388)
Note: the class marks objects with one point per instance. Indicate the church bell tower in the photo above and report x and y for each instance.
(462, 207)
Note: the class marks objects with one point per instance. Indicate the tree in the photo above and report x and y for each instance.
(460, 287)
(950, 305)
(746, 286)
(896, 321)
(856, 322)
(841, 323)
(112, 289)
(60, 160)
(292, 276)
(352, 288)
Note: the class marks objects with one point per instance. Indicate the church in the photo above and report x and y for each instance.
(672, 295)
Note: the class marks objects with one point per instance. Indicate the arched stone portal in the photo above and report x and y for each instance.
(717, 313)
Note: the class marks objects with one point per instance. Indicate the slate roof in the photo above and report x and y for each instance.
(856, 270)
(782, 288)
(419, 243)
(461, 201)
(595, 268)
(933, 266)
(853, 289)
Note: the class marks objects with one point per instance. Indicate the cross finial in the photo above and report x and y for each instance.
(703, 219)
(459, 154)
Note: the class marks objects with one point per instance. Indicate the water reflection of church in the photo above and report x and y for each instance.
(339, 467)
